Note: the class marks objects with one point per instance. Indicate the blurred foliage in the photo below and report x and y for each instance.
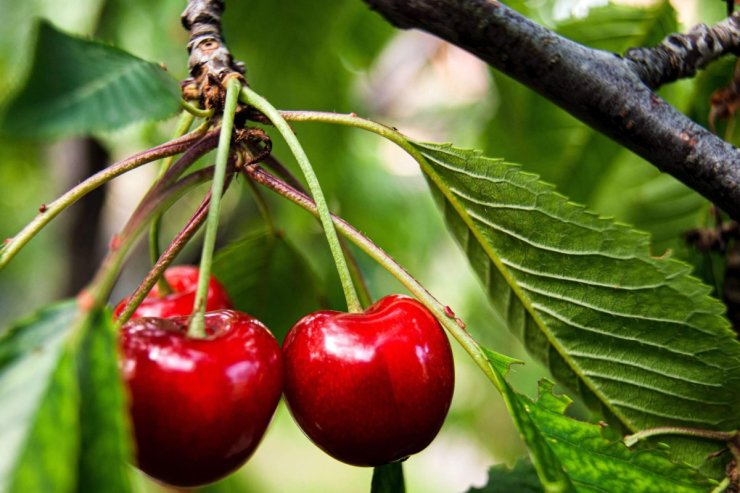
(521, 478)
(304, 57)
(72, 82)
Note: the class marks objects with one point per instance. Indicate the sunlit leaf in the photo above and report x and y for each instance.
(582, 458)
(62, 421)
(79, 86)
(39, 422)
(632, 334)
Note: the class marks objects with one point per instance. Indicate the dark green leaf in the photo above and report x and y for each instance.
(79, 86)
(106, 448)
(39, 423)
(633, 334)
(522, 478)
(388, 479)
(267, 277)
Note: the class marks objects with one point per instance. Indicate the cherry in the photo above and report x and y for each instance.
(369, 388)
(184, 280)
(199, 407)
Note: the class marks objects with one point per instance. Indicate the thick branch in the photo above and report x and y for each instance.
(210, 61)
(602, 89)
(681, 55)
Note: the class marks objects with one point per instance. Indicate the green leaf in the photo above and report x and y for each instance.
(270, 271)
(522, 478)
(388, 479)
(632, 334)
(39, 423)
(106, 449)
(79, 86)
(578, 451)
(63, 419)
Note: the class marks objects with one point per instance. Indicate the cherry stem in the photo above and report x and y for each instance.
(388, 477)
(195, 111)
(251, 98)
(264, 210)
(449, 321)
(152, 205)
(197, 328)
(183, 125)
(722, 486)
(164, 261)
(358, 279)
(720, 436)
(13, 245)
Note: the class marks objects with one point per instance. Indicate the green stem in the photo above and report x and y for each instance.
(388, 478)
(183, 125)
(260, 103)
(453, 325)
(722, 486)
(358, 280)
(197, 327)
(194, 110)
(363, 292)
(264, 210)
(99, 288)
(13, 245)
(177, 244)
(720, 436)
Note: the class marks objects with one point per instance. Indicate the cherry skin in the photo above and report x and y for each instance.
(199, 407)
(184, 281)
(369, 388)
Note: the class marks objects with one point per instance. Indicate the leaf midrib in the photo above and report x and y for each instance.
(513, 285)
(89, 90)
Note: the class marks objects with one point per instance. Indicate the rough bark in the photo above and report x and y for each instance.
(210, 62)
(611, 93)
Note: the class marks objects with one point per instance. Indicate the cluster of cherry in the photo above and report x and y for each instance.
(367, 388)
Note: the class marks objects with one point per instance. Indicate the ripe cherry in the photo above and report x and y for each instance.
(199, 407)
(369, 388)
(184, 280)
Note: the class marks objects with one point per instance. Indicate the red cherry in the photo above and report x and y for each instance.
(184, 281)
(199, 407)
(369, 388)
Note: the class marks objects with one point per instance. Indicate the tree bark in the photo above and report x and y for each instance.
(611, 93)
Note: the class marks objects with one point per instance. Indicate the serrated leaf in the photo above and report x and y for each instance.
(105, 443)
(632, 334)
(79, 86)
(522, 478)
(39, 423)
(549, 469)
(270, 271)
(579, 452)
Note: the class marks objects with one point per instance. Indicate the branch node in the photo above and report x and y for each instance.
(211, 64)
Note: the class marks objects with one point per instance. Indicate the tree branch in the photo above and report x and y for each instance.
(604, 90)
(681, 55)
(210, 62)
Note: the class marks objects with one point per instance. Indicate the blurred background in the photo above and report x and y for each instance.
(340, 56)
